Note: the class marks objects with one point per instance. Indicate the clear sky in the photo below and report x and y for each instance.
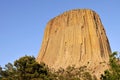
(22, 23)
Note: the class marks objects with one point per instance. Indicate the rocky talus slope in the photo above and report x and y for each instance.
(76, 37)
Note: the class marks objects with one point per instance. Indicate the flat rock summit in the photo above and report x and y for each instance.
(76, 37)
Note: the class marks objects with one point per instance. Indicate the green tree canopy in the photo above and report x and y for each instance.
(114, 72)
(25, 68)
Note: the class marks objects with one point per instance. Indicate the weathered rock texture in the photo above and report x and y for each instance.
(76, 37)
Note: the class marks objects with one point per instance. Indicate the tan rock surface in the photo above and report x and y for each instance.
(76, 37)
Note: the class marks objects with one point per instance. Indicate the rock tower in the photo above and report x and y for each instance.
(76, 37)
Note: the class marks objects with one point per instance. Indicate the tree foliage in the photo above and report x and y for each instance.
(72, 73)
(25, 68)
(28, 68)
(114, 72)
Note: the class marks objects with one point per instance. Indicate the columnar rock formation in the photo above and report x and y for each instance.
(76, 37)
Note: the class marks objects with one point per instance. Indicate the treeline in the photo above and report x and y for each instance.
(26, 68)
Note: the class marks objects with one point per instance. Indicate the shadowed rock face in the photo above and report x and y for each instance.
(76, 37)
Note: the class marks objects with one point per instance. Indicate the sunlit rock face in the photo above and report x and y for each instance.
(76, 37)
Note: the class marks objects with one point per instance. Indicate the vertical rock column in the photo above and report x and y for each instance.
(76, 37)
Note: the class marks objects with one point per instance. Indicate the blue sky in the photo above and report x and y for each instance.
(22, 23)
